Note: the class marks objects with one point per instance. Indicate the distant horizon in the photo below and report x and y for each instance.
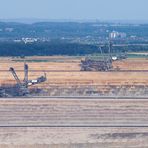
(36, 20)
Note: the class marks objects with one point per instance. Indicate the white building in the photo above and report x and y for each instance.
(17, 41)
(117, 35)
(29, 40)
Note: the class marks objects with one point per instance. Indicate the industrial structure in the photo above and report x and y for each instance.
(94, 65)
(21, 88)
(104, 64)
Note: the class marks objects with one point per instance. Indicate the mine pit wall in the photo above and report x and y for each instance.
(98, 90)
(83, 90)
(84, 83)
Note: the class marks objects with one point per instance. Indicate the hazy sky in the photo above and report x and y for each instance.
(75, 9)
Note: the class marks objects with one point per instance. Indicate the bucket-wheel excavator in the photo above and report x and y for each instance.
(22, 86)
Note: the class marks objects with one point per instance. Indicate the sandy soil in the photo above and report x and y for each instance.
(36, 111)
(74, 137)
(71, 112)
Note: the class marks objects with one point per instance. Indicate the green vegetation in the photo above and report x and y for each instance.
(72, 39)
(58, 48)
(29, 61)
(137, 56)
(45, 49)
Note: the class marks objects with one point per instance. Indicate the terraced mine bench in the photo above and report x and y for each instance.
(74, 122)
(73, 112)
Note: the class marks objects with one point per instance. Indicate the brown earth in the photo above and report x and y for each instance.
(51, 112)
(66, 63)
(73, 112)
(56, 112)
(74, 137)
(76, 77)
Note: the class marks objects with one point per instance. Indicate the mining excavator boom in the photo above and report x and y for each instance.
(26, 73)
(22, 89)
(23, 86)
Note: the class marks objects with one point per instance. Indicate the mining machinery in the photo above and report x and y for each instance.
(96, 65)
(22, 87)
(35, 81)
(26, 73)
(104, 64)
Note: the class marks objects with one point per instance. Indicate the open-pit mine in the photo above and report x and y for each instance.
(64, 77)
(51, 102)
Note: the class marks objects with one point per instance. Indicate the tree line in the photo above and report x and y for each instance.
(58, 48)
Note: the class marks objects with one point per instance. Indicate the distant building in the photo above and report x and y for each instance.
(9, 29)
(117, 35)
(133, 36)
(113, 35)
(17, 41)
(29, 40)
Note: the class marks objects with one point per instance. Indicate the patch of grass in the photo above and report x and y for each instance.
(30, 61)
(137, 56)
